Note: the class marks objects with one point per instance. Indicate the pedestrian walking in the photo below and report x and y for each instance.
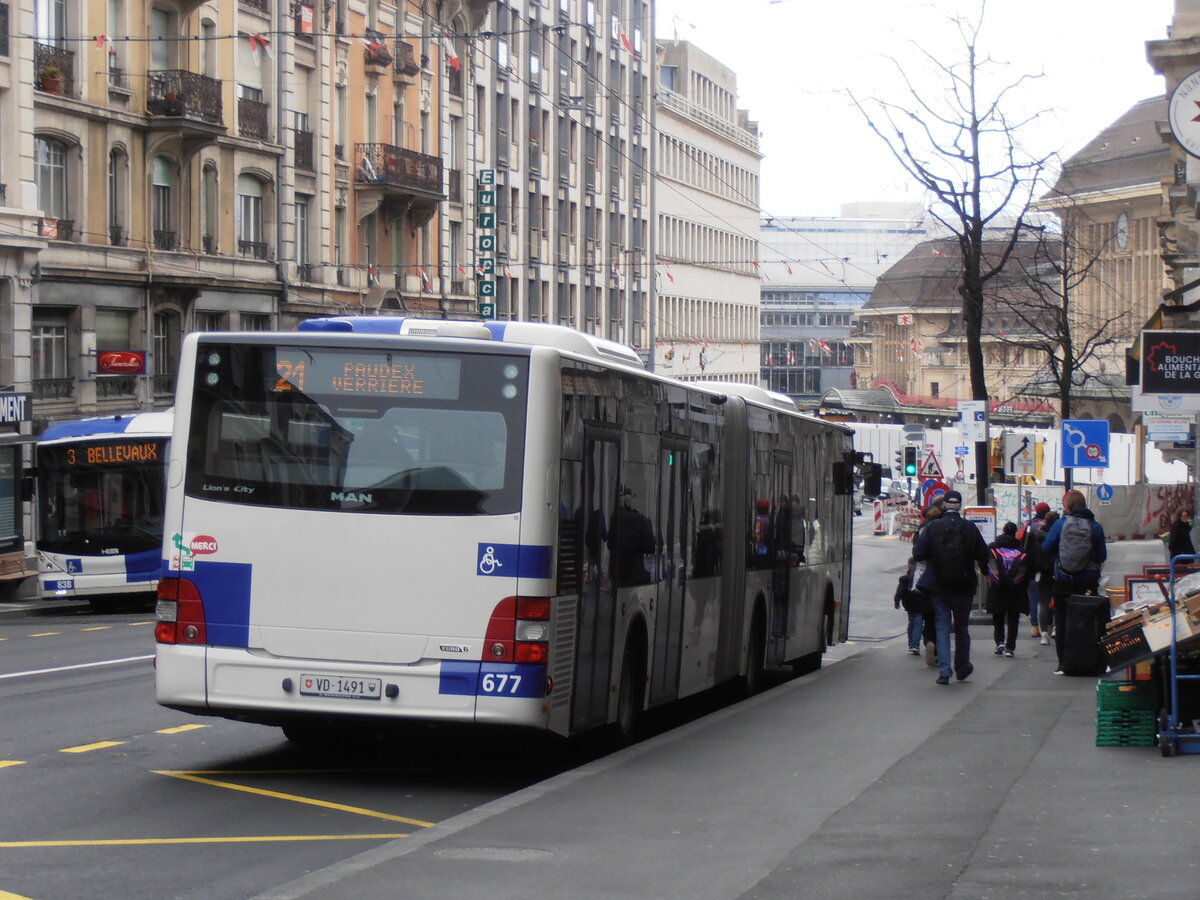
(953, 549)
(916, 604)
(928, 630)
(1008, 594)
(1026, 534)
(1042, 573)
(1179, 539)
(1076, 541)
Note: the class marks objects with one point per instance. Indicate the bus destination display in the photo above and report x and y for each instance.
(114, 453)
(327, 372)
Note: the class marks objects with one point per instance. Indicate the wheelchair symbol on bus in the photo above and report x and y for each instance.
(488, 562)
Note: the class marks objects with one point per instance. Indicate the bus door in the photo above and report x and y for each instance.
(597, 594)
(784, 557)
(675, 529)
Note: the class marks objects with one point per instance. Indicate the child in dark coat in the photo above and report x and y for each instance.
(916, 604)
(1006, 600)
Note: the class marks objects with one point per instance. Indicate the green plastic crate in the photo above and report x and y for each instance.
(1118, 695)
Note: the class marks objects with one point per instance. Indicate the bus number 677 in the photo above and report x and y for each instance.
(501, 683)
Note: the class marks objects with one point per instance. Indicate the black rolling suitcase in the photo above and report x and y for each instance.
(1085, 621)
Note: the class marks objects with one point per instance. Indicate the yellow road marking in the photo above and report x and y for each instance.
(84, 748)
(97, 628)
(356, 810)
(4, 764)
(8, 895)
(132, 842)
(135, 624)
(179, 729)
(46, 634)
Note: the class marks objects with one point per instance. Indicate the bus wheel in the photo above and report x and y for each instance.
(756, 655)
(308, 733)
(629, 696)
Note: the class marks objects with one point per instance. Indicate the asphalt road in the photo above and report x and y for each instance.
(108, 794)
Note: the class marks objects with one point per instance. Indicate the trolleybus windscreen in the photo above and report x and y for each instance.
(365, 430)
(101, 496)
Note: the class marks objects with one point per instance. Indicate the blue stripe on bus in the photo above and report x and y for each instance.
(469, 679)
(225, 590)
(145, 566)
(512, 560)
(86, 427)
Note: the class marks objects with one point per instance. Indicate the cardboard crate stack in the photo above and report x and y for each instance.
(1125, 714)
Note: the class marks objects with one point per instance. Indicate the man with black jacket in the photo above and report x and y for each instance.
(952, 549)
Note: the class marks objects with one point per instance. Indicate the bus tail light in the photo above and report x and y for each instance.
(519, 631)
(180, 613)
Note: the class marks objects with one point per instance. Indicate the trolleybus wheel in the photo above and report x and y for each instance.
(629, 693)
(756, 655)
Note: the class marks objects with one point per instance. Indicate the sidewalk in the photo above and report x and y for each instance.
(864, 779)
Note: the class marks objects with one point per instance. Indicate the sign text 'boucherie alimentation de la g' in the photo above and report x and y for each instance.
(1170, 362)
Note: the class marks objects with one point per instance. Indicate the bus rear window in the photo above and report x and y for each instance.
(362, 430)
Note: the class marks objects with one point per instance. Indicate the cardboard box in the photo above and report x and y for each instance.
(1157, 628)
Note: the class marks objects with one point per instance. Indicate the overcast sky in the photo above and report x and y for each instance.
(793, 58)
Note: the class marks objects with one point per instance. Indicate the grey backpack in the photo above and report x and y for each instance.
(1075, 545)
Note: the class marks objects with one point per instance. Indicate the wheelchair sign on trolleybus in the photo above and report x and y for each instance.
(1085, 444)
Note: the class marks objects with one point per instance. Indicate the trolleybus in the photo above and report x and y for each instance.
(101, 485)
(385, 518)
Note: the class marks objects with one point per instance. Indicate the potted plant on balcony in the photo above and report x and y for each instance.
(52, 80)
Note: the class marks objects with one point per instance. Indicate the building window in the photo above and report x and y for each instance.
(166, 350)
(118, 169)
(209, 321)
(210, 216)
(302, 226)
(162, 199)
(51, 175)
(935, 389)
(250, 223)
(255, 322)
(48, 345)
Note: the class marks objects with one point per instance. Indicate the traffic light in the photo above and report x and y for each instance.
(910, 460)
(899, 461)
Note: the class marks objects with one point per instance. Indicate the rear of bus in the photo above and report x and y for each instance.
(345, 534)
(100, 498)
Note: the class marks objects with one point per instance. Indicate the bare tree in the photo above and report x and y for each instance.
(1070, 336)
(960, 144)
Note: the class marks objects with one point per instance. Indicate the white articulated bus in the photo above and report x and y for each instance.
(512, 524)
(100, 492)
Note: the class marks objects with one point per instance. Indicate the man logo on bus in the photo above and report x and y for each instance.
(200, 545)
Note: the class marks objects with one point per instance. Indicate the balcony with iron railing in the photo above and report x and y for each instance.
(405, 63)
(53, 388)
(375, 53)
(302, 141)
(252, 119)
(164, 240)
(116, 236)
(254, 249)
(454, 185)
(57, 229)
(175, 96)
(116, 385)
(48, 59)
(398, 172)
(208, 243)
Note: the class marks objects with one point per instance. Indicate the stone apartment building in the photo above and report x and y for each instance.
(706, 321)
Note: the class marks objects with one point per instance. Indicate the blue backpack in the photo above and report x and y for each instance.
(1007, 567)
